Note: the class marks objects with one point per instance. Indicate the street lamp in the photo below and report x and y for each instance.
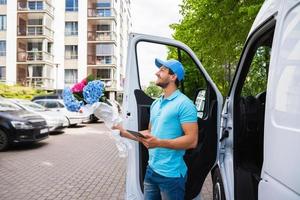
(56, 81)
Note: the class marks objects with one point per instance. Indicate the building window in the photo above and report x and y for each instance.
(71, 76)
(104, 49)
(2, 22)
(72, 5)
(2, 2)
(71, 28)
(103, 27)
(104, 59)
(103, 9)
(35, 5)
(34, 46)
(2, 48)
(35, 21)
(2, 73)
(103, 74)
(103, 5)
(71, 52)
(35, 71)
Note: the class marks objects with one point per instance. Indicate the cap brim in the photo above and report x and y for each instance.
(159, 62)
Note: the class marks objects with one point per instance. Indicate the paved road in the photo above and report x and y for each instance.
(81, 163)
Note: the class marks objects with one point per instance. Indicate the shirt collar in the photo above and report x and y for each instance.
(172, 96)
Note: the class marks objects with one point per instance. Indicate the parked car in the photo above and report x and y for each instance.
(57, 95)
(19, 125)
(251, 147)
(55, 121)
(58, 106)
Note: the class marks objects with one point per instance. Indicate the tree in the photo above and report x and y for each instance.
(153, 90)
(216, 31)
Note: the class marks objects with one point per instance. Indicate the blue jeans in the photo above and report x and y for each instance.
(158, 187)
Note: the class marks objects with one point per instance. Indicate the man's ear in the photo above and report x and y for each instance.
(174, 77)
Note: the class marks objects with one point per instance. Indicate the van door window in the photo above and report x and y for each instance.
(193, 80)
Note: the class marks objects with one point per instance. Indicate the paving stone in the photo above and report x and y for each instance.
(77, 164)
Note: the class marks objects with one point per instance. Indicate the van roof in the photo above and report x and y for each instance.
(268, 9)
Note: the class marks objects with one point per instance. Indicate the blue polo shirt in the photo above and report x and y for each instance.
(166, 117)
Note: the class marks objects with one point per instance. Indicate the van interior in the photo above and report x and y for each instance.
(249, 115)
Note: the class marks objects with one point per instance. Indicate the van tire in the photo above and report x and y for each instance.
(4, 141)
(218, 188)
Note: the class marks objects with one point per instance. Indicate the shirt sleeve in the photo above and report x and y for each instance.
(187, 112)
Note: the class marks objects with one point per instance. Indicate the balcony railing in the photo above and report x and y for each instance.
(109, 83)
(101, 59)
(71, 81)
(39, 82)
(29, 56)
(102, 36)
(102, 12)
(35, 6)
(35, 30)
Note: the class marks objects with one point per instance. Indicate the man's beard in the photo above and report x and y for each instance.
(163, 85)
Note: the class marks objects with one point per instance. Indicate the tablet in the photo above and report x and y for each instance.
(136, 134)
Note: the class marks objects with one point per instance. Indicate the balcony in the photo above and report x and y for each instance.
(102, 36)
(39, 82)
(35, 31)
(35, 6)
(34, 56)
(103, 12)
(110, 85)
(101, 60)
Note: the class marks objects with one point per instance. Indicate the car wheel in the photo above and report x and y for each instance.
(218, 188)
(3, 140)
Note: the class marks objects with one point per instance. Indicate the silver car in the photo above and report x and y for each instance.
(54, 120)
(58, 106)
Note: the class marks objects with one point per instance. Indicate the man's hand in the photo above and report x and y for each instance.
(150, 141)
(119, 127)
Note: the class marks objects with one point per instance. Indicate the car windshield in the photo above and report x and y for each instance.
(8, 106)
(33, 106)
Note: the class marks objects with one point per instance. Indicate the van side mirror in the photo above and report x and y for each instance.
(200, 102)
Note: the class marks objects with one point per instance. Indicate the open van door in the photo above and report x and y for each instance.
(197, 85)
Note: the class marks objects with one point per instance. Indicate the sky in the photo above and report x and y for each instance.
(153, 17)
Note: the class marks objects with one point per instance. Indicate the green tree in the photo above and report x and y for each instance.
(153, 90)
(216, 31)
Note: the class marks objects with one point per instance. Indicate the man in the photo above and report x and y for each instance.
(172, 129)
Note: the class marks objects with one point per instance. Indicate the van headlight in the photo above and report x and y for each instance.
(21, 125)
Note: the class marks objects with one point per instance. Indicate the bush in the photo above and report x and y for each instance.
(19, 92)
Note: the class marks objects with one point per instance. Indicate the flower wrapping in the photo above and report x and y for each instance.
(111, 117)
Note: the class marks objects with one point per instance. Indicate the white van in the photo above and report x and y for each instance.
(250, 143)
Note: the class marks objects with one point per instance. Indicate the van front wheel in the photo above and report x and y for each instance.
(218, 189)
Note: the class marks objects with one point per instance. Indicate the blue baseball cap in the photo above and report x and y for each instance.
(172, 64)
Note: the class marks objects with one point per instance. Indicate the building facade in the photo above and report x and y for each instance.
(51, 44)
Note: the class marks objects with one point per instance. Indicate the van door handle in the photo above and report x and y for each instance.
(225, 134)
(128, 113)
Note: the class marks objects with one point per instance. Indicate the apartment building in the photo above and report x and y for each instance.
(52, 44)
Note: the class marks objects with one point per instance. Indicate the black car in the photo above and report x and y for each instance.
(19, 125)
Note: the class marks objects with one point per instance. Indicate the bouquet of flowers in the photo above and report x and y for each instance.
(89, 96)
(87, 92)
